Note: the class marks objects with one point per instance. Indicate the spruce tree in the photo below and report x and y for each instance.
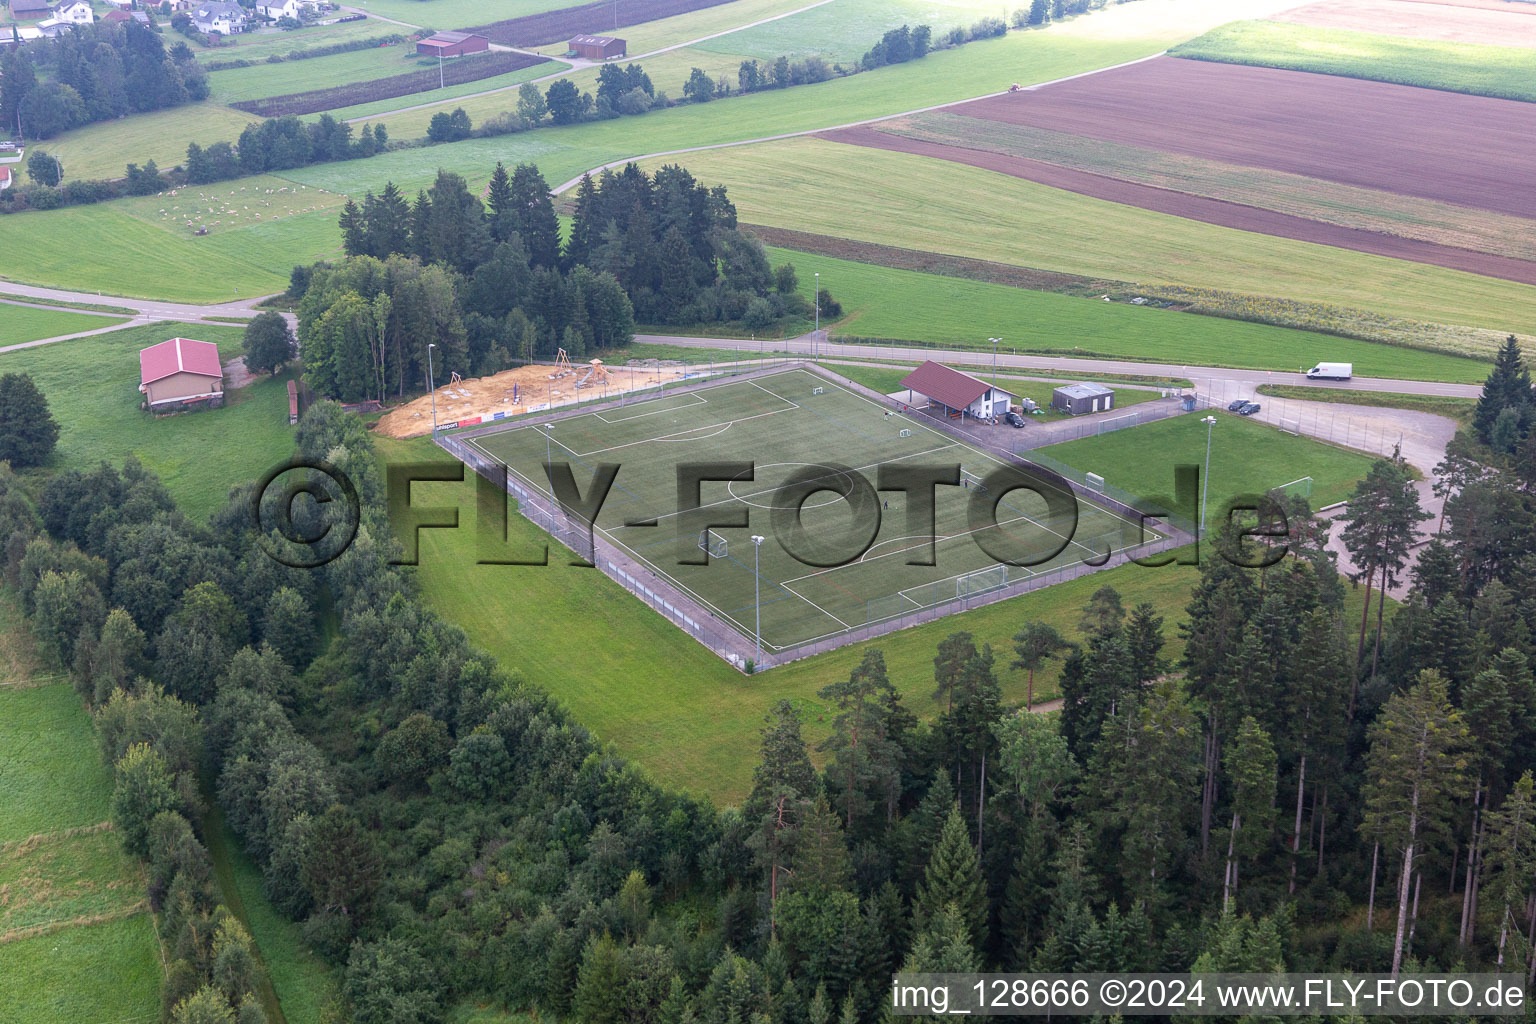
(28, 432)
(1508, 387)
(953, 876)
(1250, 765)
(1512, 858)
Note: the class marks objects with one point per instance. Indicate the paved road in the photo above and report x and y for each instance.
(1202, 376)
(145, 311)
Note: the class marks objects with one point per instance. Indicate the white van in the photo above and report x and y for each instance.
(1331, 371)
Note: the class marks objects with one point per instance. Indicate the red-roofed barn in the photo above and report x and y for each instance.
(958, 393)
(181, 372)
(452, 44)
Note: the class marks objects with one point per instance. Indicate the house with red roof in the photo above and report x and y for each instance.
(5, 177)
(955, 393)
(181, 373)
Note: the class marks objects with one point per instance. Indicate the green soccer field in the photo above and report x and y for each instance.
(796, 424)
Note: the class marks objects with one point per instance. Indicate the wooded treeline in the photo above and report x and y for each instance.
(445, 830)
(490, 282)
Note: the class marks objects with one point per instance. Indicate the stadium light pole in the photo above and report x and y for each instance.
(757, 595)
(1205, 484)
(432, 386)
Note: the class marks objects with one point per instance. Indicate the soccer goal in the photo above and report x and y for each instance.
(972, 481)
(1301, 487)
(981, 581)
(716, 545)
(905, 433)
(818, 391)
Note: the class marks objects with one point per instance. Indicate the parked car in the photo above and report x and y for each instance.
(1236, 405)
(1248, 409)
(1014, 419)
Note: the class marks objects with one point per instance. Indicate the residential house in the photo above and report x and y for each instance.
(218, 16)
(73, 12)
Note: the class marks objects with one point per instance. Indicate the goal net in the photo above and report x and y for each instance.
(1301, 487)
(715, 544)
(981, 581)
(972, 481)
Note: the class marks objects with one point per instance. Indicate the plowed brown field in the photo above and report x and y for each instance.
(1469, 150)
(1201, 208)
(1509, 25)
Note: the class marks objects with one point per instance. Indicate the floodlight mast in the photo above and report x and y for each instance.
(432, 386)
(757, 595)
(1205, 484)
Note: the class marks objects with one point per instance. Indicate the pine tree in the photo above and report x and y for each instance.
(499, 204)
(1379, 528)
(1490, 717)
(1512, 857)
(955, 652)
(585, 230)
(28, 432)
(1413, 770)
(534, 211)
(953, 876)
(1036, 643)
(1314, 709)
(865, 760)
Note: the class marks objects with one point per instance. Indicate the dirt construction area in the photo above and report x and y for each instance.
(1469, 150)
(521, 390)
(1492, 24)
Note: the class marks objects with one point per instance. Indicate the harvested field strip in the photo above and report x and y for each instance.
(1192, 207)
(1506, 72)
(1467, 150)
(600, 16)
(466, 69)
(1365, 209)
(915, 202)
(1455, 24)
(61, 879)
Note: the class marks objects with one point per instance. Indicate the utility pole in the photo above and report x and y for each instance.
(817, 331)
(994, 342)
(1205, 484)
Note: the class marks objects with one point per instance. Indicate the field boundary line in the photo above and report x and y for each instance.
(34, 682)
(141, 905)
(26, 845)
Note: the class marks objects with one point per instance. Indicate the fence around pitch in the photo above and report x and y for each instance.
(738, 647)
(1098, 423)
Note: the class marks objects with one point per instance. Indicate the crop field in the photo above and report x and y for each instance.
(1246, 458)
(903, 305)
(707, 21)
(447, 14)
(797, 422)
(421, 80)
(103, 149)
(844, 30)
(598, 16)
(1435, 145)
(440, 97)
(28, 323)
(914, 202)
(1507, 72)
(1451, 23)
(1457, 232)
(91, 385)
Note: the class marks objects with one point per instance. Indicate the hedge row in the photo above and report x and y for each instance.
(466, 69)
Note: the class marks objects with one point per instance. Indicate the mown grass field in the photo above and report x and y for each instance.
(1367, 209)
(92, 383)
(261, 45)
(444, 14)
(262, 80)
(67, 877)
(51, 776)
(436, 96)
(104, 149)
(92, 248)
(28, 323)
(1246, 458)
(90, 974)
(662, 699)
(844, 30)
(1507, 72)
(224, 206)
(680, 28)
(881, 302)
(917, 203)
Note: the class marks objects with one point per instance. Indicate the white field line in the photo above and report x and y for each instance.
(698, 400)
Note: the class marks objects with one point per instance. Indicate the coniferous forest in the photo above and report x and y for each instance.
(1312, 785)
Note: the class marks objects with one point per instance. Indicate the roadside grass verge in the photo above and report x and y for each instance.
(25, 323)
(1246, 458)
(91, 385)
(916, 203)
(1459, 409)
(1506, 72)
(95, 307)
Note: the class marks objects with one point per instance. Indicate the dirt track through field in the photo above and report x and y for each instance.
(1456, 24)
(1201, 208)
(1469, 150)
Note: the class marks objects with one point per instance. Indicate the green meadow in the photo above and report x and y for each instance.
(28, 323)
(90, 974)
(1508, 72)
(51, 776)
(92, 387)
(905, 305)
